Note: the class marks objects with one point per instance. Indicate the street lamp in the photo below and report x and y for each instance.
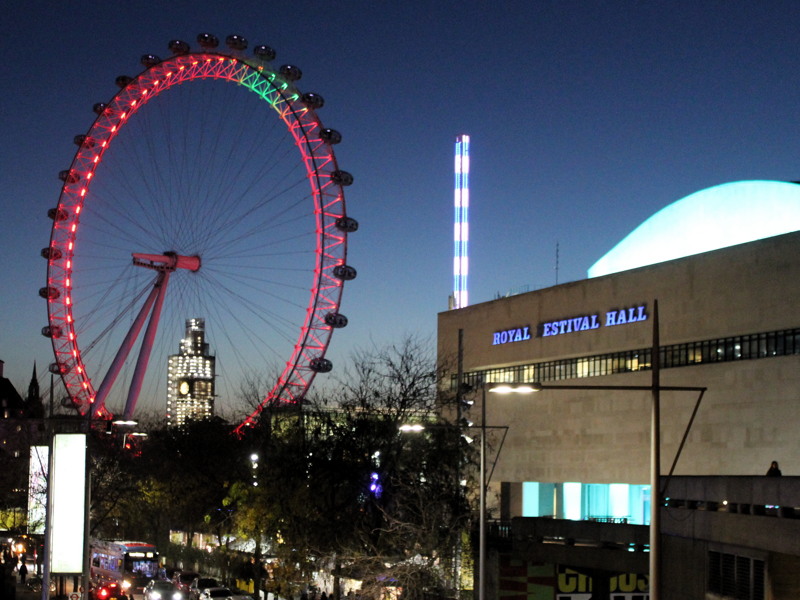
(482, 503)
(132, 436)
(254, 468)
(417, 427)
(412, 428)
(522, 388)
(484, 483)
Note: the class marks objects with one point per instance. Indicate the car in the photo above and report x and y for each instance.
(162, 589)
(199, 584)
(107, 591)
(134, 585)
(216, 593)
(241, 594)
(183, 579)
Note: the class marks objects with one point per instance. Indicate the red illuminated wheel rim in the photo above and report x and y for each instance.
(213, 154)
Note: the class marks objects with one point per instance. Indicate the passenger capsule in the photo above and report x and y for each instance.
(178, 47)
(342, 178)
(51, 331)
(336, 320)
(49, 293)
(99, 107)
(57, 368)
(331, 136)
(347, 224)
(321, 365)
(69, 176)
(51, 253)
(264, 52)
(290, 72)
(236, 42)
(344, 272)
(122, 81)
(207, 40)
(313, 100)
(149, 60)
(83, 140)
(58, 214)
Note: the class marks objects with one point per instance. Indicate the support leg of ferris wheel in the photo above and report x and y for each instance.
(147, 346)
(164, 264)
(122, 353)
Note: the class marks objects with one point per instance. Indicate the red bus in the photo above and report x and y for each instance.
(128, 564)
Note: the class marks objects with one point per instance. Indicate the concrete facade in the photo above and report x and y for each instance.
(747, 418)
(728, 321)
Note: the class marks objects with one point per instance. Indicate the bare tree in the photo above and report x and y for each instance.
(388, 504)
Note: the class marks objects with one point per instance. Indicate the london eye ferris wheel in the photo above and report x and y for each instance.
(206, 187)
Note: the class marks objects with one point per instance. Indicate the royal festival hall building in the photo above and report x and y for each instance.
(569, 499)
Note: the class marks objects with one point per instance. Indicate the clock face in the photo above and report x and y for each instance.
(183, 388)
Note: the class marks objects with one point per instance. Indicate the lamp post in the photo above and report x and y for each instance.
(131, 438)
(482, 496)
(416, 428)
(419, 428)
(482, 504)
(254, 468)
(522, 389)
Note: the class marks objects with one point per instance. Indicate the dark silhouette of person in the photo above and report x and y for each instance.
(23, 571)
(774, 471)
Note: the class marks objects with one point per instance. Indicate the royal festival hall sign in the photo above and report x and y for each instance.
(588, 322)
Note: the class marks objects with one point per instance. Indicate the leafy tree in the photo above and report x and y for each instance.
(176, 479)
(348, 488)
(196, 464)
(338, 483)
(111, 483)
(18, 435)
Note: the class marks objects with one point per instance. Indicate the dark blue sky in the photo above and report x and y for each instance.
(585, 119)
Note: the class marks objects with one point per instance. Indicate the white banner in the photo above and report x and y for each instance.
(67, 497)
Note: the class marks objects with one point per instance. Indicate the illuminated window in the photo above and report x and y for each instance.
(746, 347)
(609, 503)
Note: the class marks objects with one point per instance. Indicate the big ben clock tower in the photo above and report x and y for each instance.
(190, 378)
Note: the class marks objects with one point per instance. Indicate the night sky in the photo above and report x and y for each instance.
(585, 119)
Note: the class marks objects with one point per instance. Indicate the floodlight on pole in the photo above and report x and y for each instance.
(522, 388)
(413, 428)
(484, 481)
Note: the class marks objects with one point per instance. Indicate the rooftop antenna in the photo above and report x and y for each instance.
(556, 263)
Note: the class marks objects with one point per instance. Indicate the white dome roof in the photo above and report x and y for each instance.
(717, 217)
